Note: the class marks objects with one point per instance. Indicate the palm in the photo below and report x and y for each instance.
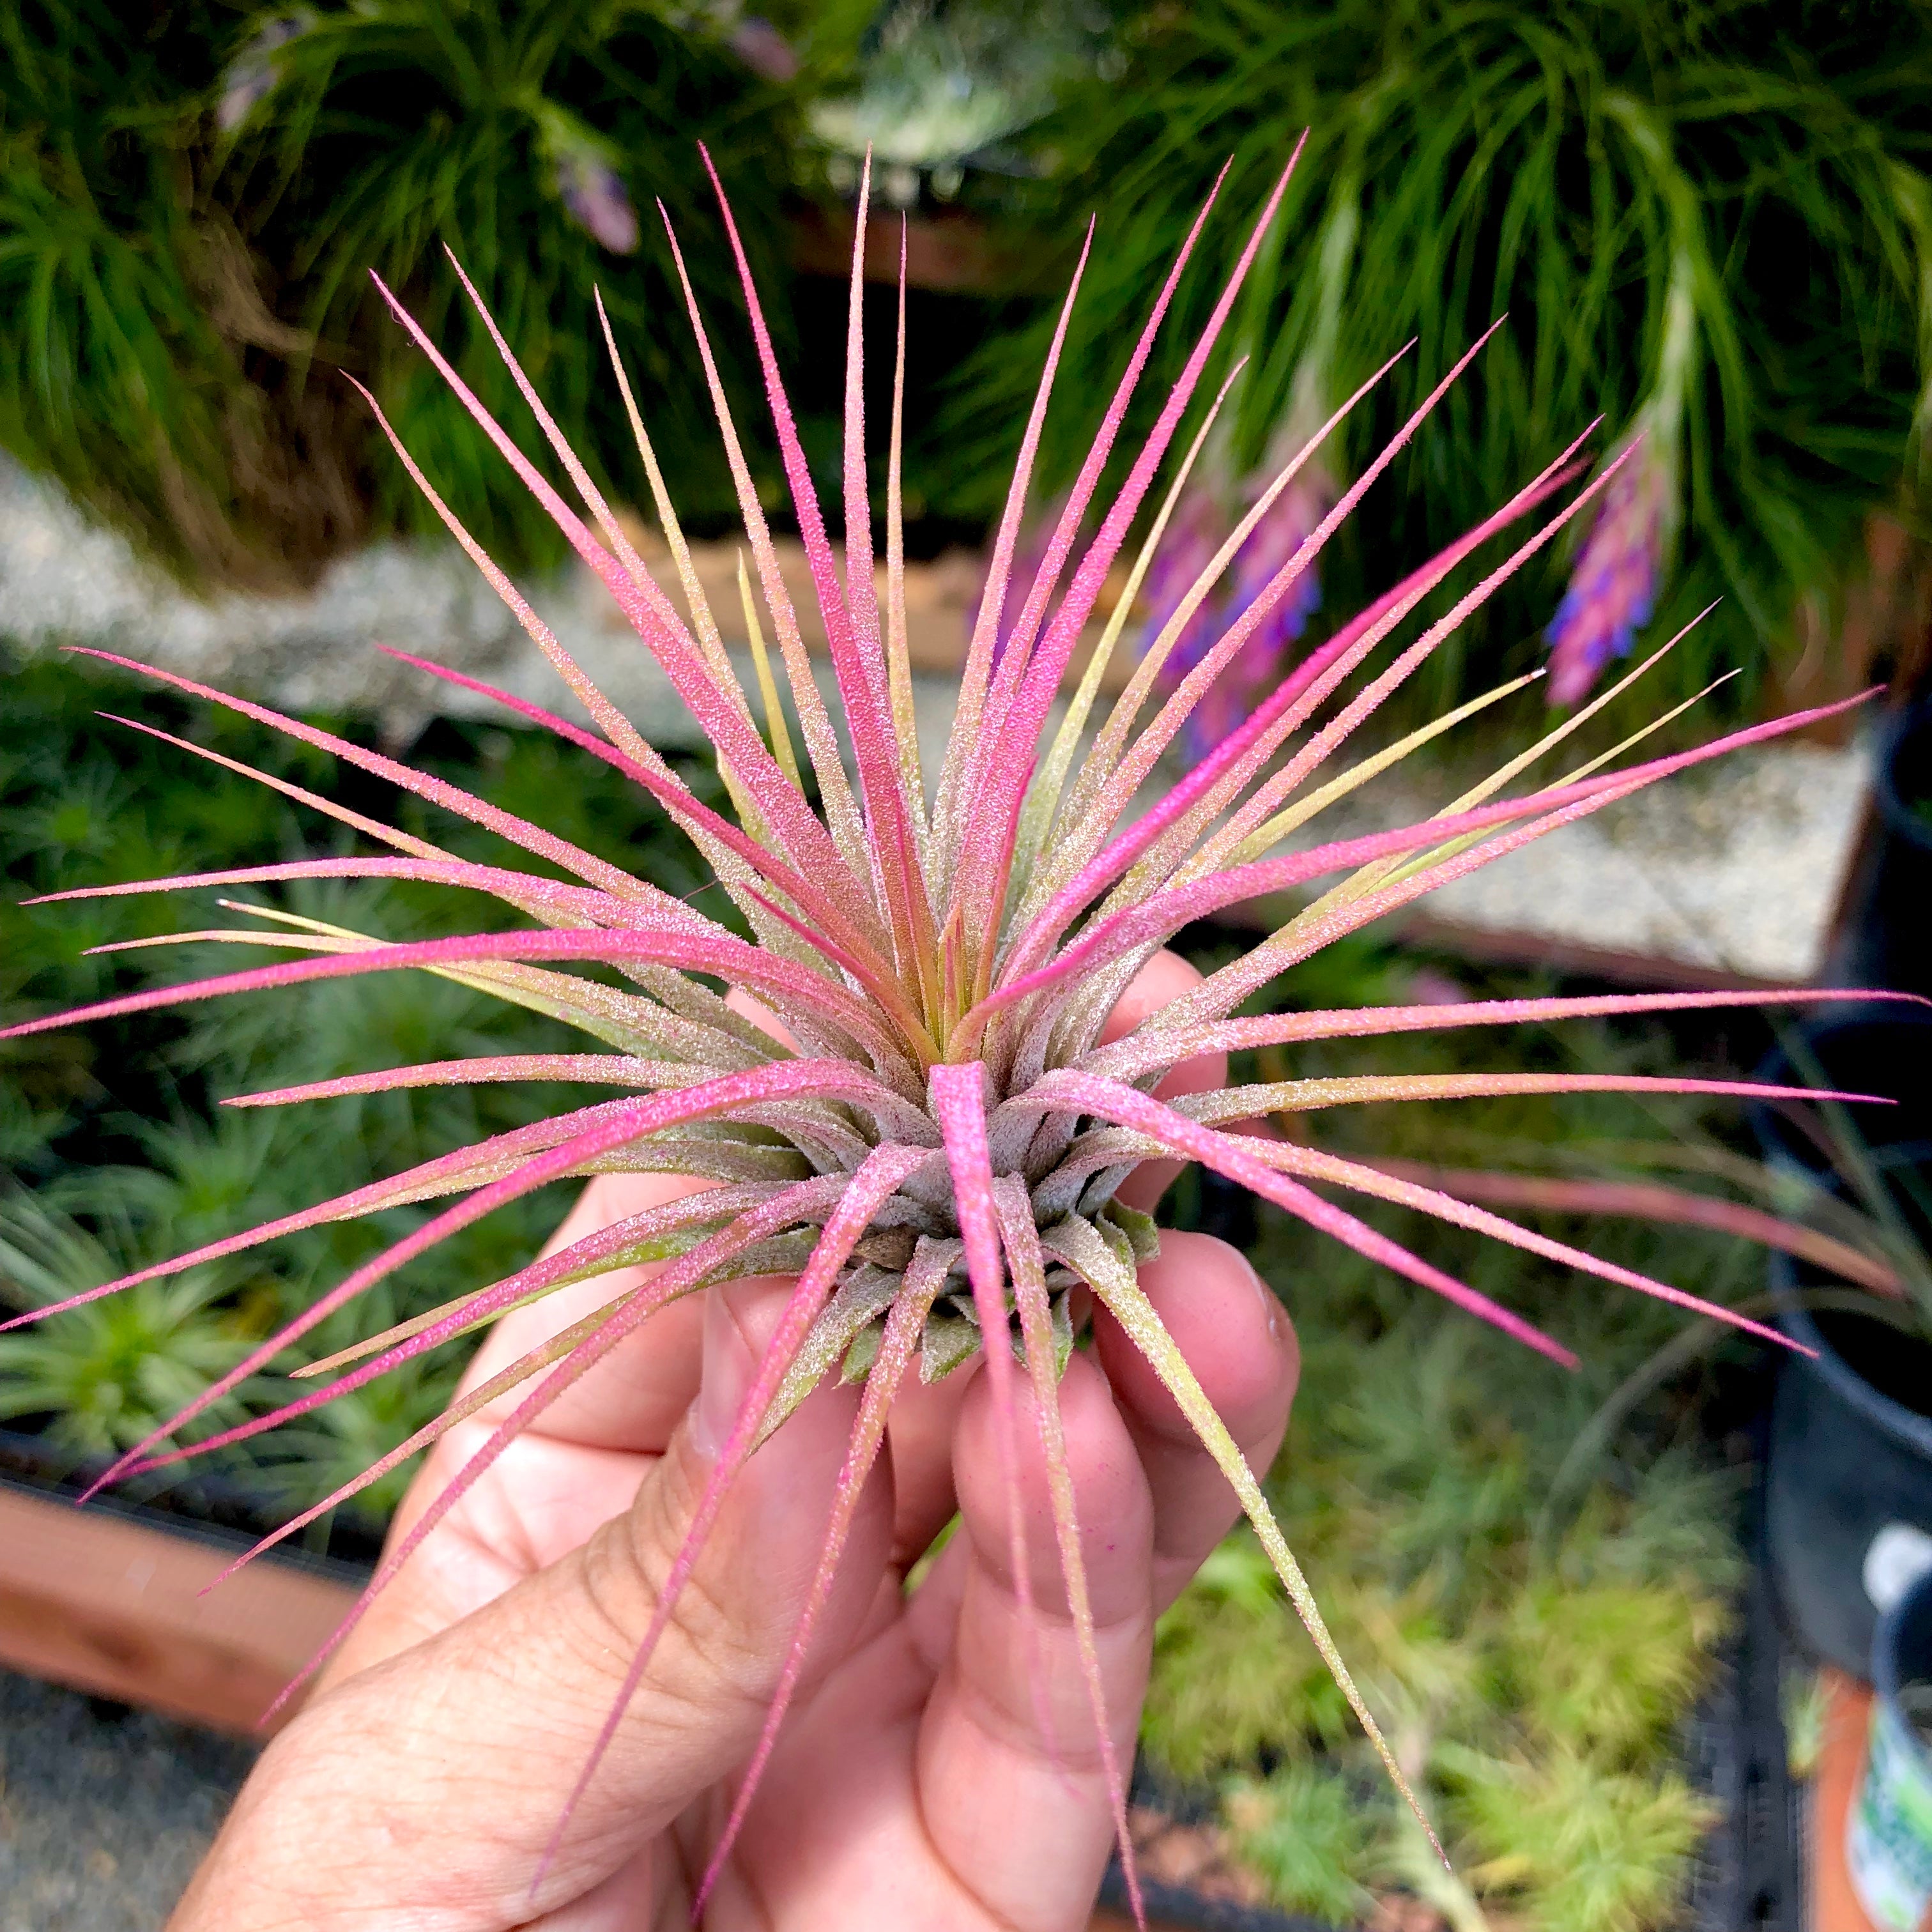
(939, 1766)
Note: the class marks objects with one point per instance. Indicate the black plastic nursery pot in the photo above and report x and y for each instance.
(1888, 937)
(1860, 1048)
(1850, 1453)
(1851, 1468)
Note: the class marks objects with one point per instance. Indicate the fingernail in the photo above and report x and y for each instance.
(724, 1379)
(1270, 1301)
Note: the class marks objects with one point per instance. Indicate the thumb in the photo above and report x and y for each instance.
(697, 1710)
(483, 1731)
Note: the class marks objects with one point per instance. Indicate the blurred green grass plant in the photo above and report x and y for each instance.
(106, 1374)
(192, 192)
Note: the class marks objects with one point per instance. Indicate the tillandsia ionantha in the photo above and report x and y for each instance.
(932, 1137)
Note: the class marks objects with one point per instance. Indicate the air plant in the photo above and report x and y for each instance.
(933, 1149)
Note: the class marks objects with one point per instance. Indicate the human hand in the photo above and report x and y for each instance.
(912, 1786)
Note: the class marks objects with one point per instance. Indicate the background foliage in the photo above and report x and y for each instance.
(190, 191)
(175, 294)
(1551, 160)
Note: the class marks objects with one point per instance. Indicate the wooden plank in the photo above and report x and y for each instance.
(111, 1606)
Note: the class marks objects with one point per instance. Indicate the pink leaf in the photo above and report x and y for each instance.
(1247, 747)
(1652, 1201)
(609, 1069)
(649, 613)
(445, 1174)
(581, 1259)
(827, 764)
(732, 958)
(925, 1276)
(697, 820)
(959, 1106)
(384, 834)
(1226, 987)
(519, 831)
(1027, 1268)
(1065, 1091)
(875, 1182)
(961, 747)
(1147, 1049)
(1241, 1103)
(861, 676)
(1375, 1178)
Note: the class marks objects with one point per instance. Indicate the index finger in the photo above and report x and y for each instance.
(634, 1398)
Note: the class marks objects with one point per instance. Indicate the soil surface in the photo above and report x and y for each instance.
(104, 1812)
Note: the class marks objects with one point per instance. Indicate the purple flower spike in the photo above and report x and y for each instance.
(1259, 668)
(598, 202)
(1613, 588)
(765, 50)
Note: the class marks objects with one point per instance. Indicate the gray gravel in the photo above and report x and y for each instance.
(1736, 869)
(104, 1813)
(64, 579)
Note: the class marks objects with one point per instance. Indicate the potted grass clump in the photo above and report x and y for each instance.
(921, 1121)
